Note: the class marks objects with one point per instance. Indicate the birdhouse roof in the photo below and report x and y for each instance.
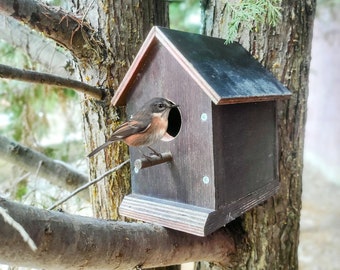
(226, 73)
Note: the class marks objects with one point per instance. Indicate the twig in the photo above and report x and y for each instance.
(8, 72)
(88, 184)
(25, 236)
(38, 168)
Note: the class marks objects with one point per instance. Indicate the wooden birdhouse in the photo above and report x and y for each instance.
(222, 138)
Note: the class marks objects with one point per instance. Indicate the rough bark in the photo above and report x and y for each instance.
(271, 230)
(123, 26)
(66, 28)
(57, 172)
(73, 242)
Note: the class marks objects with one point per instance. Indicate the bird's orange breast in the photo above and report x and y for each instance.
(151, 135)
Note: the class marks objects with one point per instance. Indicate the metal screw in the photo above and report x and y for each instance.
(205, 180)
(204, 117)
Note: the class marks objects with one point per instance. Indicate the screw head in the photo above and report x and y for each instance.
(204, 117)
(206, 180)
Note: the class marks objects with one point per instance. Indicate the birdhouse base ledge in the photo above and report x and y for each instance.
(188, 218)
(174, 215)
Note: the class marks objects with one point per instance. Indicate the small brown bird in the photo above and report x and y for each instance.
(144, 128)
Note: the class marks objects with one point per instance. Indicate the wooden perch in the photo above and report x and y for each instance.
(152, 161)
(67, 241)
(7, 72)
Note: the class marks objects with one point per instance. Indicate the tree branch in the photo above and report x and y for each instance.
(74, 242)
(64, 27)
(7, 72)
(56, 172)
(40, 49)
(17, 226)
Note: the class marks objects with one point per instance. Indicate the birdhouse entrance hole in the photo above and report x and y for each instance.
(174, 124)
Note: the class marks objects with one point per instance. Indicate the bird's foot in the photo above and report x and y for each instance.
(154, 152)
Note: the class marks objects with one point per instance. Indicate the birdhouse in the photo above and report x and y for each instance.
(222, 137)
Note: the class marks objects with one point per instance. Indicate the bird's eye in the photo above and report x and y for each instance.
(160, 105)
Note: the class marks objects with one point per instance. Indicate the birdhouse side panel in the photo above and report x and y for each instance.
(245, 147)
(189, 177)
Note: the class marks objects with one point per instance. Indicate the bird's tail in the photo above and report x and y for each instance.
(95, 151)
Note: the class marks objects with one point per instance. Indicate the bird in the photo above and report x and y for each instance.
(145, 127)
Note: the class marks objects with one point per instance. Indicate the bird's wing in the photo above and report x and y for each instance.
(133, 126)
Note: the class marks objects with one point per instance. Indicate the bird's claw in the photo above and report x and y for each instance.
(155, 153)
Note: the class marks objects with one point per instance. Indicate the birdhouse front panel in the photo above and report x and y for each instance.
(184, 179)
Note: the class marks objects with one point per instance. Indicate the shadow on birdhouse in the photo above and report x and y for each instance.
(223, 137)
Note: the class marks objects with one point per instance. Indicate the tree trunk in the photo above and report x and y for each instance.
(271, 230)
(122, 26)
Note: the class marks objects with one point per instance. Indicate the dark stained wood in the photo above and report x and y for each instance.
(224, 152)
(189, 218)
(175, 215)
(245, 149)
(152, 160)
(192, 152)
(226, 73)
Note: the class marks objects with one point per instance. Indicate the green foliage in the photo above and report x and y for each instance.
(44, 118)
(249, 11)
(21, 190)
(245, 12)
(185, 15)
(29, 108)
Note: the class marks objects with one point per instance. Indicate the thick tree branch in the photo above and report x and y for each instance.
(64, 27)
(72, 242)
(17, 226)
(56, 172)
(7, 72)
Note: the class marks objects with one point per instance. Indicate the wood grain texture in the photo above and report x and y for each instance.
(191, 149)
(245, 149)
(179, 216)
(189, 218)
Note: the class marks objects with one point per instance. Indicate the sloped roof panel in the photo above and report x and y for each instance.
(229, 70)
(226, 73)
